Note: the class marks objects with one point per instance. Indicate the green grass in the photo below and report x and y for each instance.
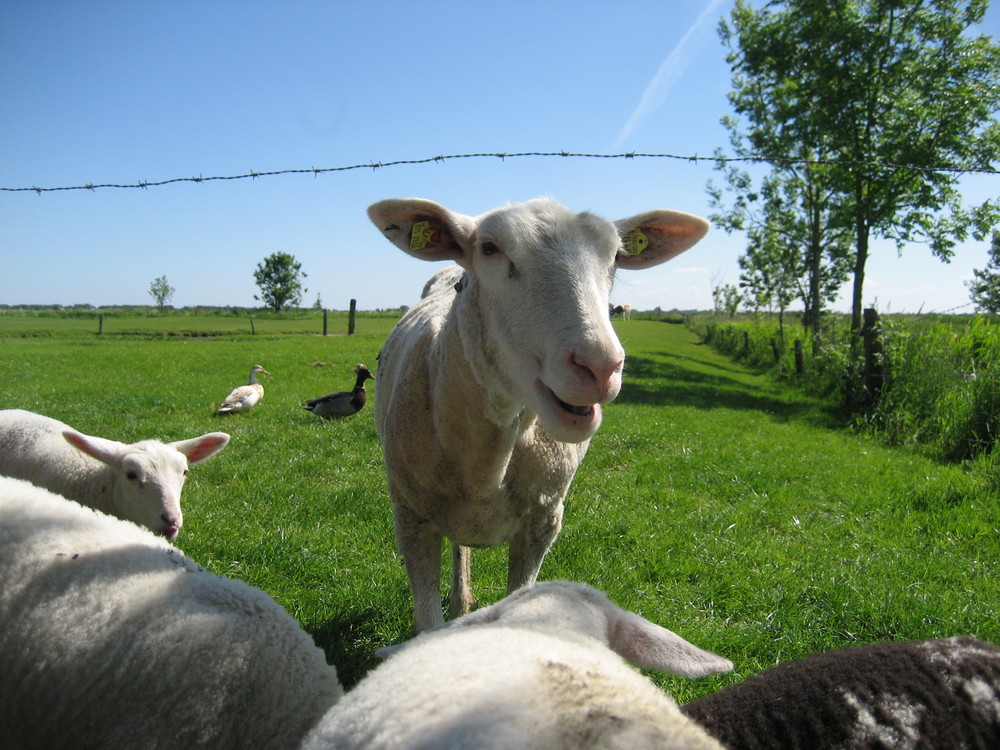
(714, 501)
(187, 324)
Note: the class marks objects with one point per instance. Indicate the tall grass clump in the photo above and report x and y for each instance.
(819, 367)
(937, 375)
(940, 386)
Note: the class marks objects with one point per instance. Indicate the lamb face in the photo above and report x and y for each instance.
(146, 478)
(140, 482)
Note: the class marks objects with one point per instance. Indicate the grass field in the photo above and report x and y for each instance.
(713, 501)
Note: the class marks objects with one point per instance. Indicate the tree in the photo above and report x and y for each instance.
(984, 287)
(896, 96)
(793, 248)
(161, 292)
(278, 277)
(727, 299)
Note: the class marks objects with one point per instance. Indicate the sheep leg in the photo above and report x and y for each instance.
(420, 545)
(461, 599)
(528, 548)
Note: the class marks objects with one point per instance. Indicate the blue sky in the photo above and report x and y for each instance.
(123, 92)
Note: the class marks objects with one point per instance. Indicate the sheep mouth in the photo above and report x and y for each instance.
(170, 532)
(566, 422)
(580, 411)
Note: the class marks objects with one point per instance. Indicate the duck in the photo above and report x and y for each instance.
(243, 397)
(342, 403)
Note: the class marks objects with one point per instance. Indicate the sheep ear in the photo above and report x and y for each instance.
(649, 646)
(424, 229)
(654, 237)
(105, 451)
(199, 448)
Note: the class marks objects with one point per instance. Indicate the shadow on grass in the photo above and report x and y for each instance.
(704, 384)
(351, 638)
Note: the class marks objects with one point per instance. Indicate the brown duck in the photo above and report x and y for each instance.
(342, 403)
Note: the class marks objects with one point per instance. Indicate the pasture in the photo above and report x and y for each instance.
(713, 501)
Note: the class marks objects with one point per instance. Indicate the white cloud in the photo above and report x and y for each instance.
(669, 73)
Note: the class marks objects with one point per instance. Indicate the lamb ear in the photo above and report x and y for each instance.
(424, 229)
(105, 451)
(199, 448)
(654, 237)
(649, 646)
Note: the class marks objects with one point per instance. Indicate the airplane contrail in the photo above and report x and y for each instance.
(668, 74)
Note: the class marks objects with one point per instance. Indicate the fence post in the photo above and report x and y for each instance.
(350, 317)
(100, 324)
(874, 373)
(325, 312)
(253, 329)
(799, 366)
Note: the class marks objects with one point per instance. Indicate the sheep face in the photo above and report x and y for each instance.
(540, 278)
(149, 475)
(539, 262)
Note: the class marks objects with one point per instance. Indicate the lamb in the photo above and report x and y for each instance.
(916, 694)
(484, 414)
(111, 638)
(140, 482)
(541, 668)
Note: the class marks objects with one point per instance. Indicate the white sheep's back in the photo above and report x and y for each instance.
(113, 638)
(492, 687)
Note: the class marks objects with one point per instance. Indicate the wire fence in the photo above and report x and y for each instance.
(441, 158)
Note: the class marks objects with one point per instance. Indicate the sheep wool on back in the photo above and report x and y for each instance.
(112, 639)
(543, 669)
(942, 693)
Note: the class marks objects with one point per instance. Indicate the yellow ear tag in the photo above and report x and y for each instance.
(635, 242)
(422, 235)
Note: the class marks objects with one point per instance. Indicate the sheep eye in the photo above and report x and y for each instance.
(490, 248)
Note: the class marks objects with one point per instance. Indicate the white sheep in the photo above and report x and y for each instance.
(111, 638)
(140, 482)
(939, 693)
(491, 386)
(539, 669)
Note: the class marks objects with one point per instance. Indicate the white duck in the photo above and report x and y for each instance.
(244, 397)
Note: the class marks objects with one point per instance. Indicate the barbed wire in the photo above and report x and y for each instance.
(440, 158)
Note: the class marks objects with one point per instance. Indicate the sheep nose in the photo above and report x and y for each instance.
(603, 373)
(170, 528)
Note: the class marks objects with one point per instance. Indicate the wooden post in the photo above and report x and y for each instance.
(746, 342)
(253, 329)
(100, 325)
(325, 315)
(874, 372)
(350, 317)
(799, 366)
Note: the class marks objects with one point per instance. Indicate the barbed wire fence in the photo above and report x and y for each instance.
(503, 156)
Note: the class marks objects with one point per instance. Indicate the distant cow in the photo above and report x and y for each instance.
(624, 310)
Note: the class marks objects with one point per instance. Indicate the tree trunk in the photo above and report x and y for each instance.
(860, 258)
(815, 265)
